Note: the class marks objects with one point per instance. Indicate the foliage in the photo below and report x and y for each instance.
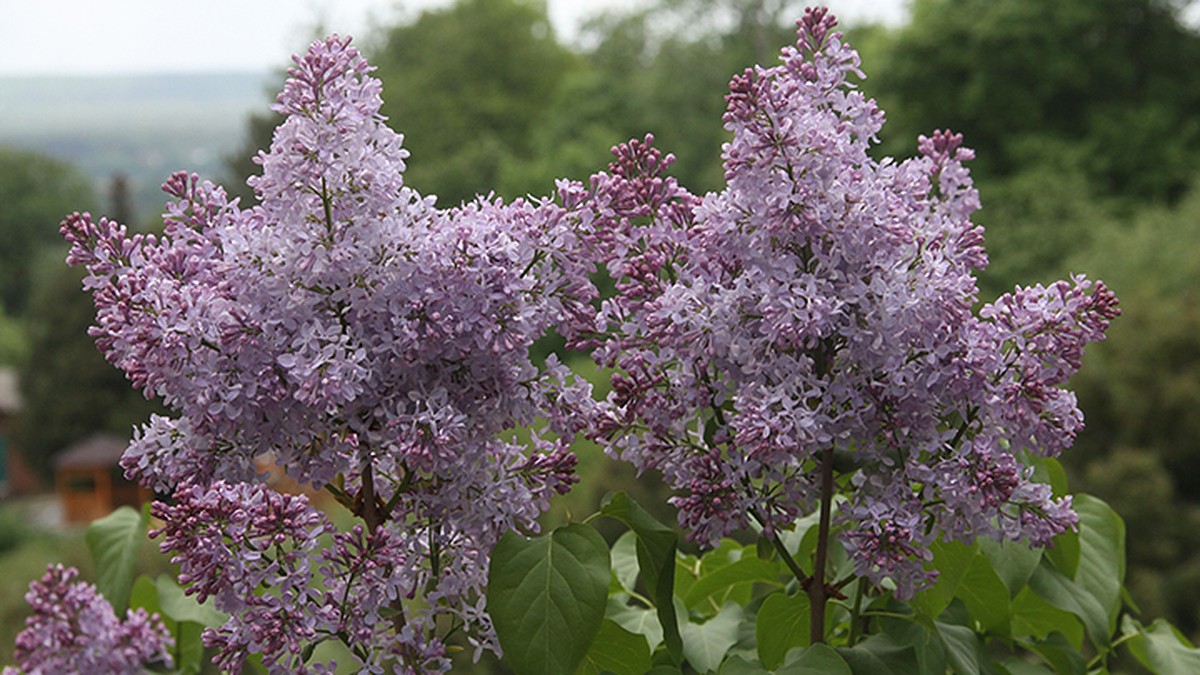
(14, 343)
(736, 609)
(481, 70)
(1112, 77)
(995, 608)
(1139, 387)
(69, 391)
(34, 192)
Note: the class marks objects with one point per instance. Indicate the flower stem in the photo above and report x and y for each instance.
(818, 594)
(784, 554)
(858, 622)
(371, 516)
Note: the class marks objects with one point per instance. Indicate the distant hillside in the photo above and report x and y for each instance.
(145, 127)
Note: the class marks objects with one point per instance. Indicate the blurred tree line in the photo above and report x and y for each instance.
(1085, 115)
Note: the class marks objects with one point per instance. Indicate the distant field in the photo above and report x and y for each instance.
(145, 126)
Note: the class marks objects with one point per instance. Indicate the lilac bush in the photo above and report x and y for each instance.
(73, 629)
(809, 332)
(806, 340)
(368, 343)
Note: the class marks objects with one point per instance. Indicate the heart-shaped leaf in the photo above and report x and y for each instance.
(546, 597)
(114, 541)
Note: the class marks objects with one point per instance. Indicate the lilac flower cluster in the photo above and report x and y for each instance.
(818, 313)
(367, 341)
(232, 542)
(73, 629)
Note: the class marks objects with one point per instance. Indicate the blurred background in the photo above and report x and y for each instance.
(1085, 115)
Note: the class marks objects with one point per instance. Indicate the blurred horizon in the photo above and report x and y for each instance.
(146, 37)
(142, 127)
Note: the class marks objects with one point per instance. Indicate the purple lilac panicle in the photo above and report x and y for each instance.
(366, 340)
(822, 302)
(73, 629)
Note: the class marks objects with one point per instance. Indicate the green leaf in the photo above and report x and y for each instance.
(546, 597)
(1051, 472)
(1064, 552)
(188, 652)
(918, 633)
(748, 570)
(181, 607)
(189, 648)
(143, 595)
(1101, 569)
(792, 539)
(1162, 650)
(880, 654)
(986, 597)
(1012, 561)
(819, 659)
(688, 569)
(783, 622)
(737, 664)
(1015, 665)
(114, 541)
(616, 650)
(1035, 618)
(656, 545)
(1065, 594)
(625, 562)
(638, 620)
(963, 647)
(1060, 654)
(951, 560)
(705, 644)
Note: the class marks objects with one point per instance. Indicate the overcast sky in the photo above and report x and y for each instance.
(91, 37)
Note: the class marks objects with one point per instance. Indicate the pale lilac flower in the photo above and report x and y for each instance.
(822, 302)
(73, 629)
(365, 340)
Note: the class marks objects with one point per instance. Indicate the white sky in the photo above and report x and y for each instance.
(93, 37)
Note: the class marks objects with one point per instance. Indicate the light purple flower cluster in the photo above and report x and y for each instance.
(73, 629)
(232, 543)
(368, 342)
(818, 312)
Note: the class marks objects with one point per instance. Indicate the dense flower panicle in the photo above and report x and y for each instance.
(361, 337)
(73, 629)
(232, 542)
(822, 303)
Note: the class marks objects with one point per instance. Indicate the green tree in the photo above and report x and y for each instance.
(69, 390)
(663, 69)
(36, 191)
(466, 85)
(1142, 386)
(1117, 77)
(1140, 389)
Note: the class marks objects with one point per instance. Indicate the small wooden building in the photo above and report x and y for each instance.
(90, 482)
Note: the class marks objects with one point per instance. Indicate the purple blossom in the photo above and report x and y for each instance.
(822, 303)
(365, 340)
(73, 629)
